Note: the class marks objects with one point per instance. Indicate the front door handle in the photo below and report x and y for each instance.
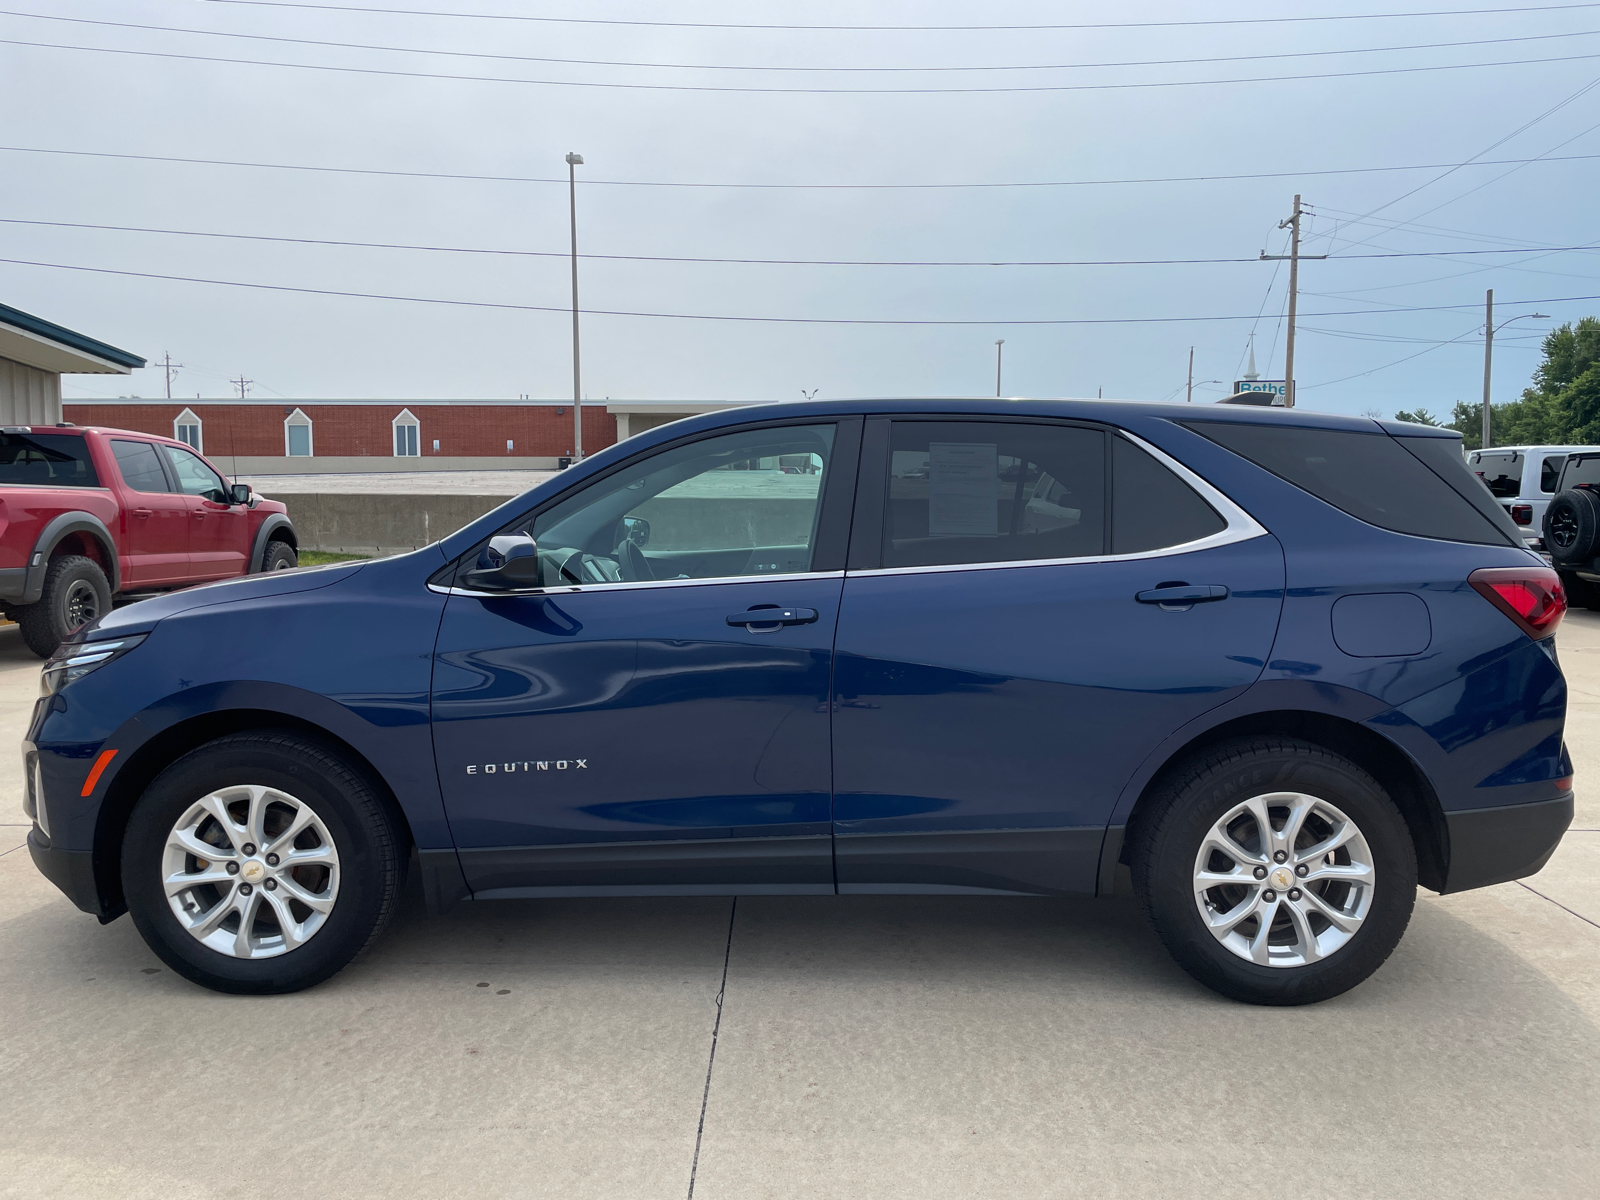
(141, 512)
(1177, 597)
(770, 620)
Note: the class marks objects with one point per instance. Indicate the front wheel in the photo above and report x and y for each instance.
(280, 556)
(1275, 871)
(260, 863)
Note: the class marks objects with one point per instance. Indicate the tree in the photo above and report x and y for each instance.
(1420, 417)
(1561, 407)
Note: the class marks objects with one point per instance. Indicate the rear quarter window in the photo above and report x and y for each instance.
(46, 460)
(1419, 486)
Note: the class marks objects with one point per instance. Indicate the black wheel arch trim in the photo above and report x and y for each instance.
(273, 523)
(154, 738)
(51, 536)
(1330, 715)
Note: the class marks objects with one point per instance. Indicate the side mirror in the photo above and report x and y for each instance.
(636, 530)
(509, 563)
(239, 493)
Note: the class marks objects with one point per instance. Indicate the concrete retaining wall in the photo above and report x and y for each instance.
(343, 523)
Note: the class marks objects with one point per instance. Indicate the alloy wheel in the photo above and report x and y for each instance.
(82, 604)
(1284, 879)
(250, 871)
(1563, 527)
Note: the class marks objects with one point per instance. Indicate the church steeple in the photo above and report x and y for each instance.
(1250, 371)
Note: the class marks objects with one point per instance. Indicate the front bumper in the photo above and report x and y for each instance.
(70, 870)
(1496, 845)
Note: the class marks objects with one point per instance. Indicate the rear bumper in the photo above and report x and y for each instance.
(70, 870)
(1495, 845)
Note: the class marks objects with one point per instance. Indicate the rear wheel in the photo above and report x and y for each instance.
(1276, 872)
(76, 592)
(260, 863)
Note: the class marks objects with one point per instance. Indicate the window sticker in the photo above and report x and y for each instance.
(963, 489)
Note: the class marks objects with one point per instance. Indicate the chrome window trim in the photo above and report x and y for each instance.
(637, 584)
(1240, 527)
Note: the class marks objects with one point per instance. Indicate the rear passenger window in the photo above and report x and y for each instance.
(1151, 508)
(993, 491)
(48, 459)
(1550, 473)
(141, 469)
(1425, 490)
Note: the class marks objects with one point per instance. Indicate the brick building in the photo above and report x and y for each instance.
(260, 437)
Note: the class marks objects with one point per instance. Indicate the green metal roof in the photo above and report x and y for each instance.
(39, 327)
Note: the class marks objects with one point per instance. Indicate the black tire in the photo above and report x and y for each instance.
(76, 592)
(1580, 592)
(280, 556)
(1168, 838)
(1571, 527)
(363, 831)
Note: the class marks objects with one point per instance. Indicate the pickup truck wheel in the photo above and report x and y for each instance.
(75, 592)
(260, 863)
(280, 556)
(1276, 871)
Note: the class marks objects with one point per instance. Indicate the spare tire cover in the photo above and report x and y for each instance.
(1572, 527)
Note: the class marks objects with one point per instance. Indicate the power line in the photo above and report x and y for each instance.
(425, 12)
(566, 310)
(602, 62)
(795, 91)
(1049, 183)
(768, 262)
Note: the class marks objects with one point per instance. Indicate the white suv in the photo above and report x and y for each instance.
(1523, 479)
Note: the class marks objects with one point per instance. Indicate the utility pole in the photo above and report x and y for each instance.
(244, 385)
(1488, 358)
(171, 369)
(1292, 224)
(997, 353)
(1188, 397)
(574, 161)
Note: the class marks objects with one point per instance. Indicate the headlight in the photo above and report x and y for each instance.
(75, 660)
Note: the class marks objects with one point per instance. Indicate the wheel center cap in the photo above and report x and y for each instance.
(1282, 878)
(253, 871)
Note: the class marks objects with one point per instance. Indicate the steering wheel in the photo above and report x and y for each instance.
(632, 565)
(584, 568)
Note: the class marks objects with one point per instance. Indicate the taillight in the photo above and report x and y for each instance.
(1531, 596)
(1522, 514)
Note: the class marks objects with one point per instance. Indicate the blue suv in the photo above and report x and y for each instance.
(1269, 670)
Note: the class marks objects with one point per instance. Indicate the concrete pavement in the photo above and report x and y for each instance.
(863, 1046)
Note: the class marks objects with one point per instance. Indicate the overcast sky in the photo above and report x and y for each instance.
(378, 115)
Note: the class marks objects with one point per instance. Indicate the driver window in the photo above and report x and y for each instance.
(741, 504)
(194, 477)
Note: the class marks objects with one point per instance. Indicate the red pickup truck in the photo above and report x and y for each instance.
(86, 514)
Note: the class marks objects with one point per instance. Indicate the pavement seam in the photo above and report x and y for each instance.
(716, 1028)
(1559, 905)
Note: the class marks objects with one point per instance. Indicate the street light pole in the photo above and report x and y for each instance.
(1188, 397)
(574, 161)
(1489, 329)
(997, 353)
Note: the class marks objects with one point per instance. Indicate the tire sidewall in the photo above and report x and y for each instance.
(276, 550)
(303, 773)
(1168, 884)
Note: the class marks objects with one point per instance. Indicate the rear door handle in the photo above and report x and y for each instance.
(141, 512)
(770, 620)
(1179, 596)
